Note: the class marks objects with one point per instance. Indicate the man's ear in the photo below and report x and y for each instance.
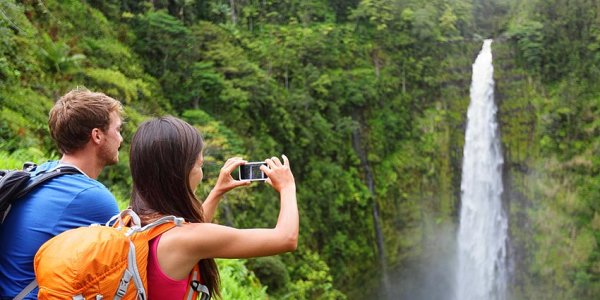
(96, 137)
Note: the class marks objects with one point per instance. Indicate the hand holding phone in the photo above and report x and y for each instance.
(225, 181)
(280, 175)
(251, 172)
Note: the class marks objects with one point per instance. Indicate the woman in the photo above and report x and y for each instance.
(166, 167)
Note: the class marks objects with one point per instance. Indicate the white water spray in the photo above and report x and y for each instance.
(482, 235)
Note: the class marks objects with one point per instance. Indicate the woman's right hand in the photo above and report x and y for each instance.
(279, 174)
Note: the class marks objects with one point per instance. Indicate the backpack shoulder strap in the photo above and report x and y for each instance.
(130, 219)
(28, 289)
(157, 229)
(16, 184)
(42, 178)
(11, 182)
(195, 288)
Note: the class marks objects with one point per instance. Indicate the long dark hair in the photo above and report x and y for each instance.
(163, 152)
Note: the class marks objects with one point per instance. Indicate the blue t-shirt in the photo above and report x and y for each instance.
(62, 203)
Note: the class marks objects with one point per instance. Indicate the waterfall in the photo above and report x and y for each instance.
(481, 272)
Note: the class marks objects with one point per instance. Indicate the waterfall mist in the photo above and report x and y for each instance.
(431, 276)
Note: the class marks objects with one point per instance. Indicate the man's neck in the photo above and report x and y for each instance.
(89, 165)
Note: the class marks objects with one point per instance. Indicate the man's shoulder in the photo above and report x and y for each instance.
(43, 167)
(70, 186)
(81, 180)
(51, 166)
(86, 200)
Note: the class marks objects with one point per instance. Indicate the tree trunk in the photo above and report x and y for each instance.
(233, 15)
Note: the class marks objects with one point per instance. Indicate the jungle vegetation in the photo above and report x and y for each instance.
(367, 98)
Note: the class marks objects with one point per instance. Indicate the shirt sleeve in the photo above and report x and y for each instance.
(94, 205)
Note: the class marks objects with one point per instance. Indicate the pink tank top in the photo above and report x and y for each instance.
(161, 286)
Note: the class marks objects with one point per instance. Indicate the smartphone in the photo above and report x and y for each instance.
(251, 171)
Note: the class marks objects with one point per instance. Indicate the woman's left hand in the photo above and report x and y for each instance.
(225, 182)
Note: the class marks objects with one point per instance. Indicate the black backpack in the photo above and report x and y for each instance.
(14, 184)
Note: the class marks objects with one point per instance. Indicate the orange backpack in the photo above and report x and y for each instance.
(101, 262)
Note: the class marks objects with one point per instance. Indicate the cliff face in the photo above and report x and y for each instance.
(423, 245)
(517, 117)
(548, 192)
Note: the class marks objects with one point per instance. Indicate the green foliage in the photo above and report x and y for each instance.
(557, 158)
(106, 52)
(70, 19)
(114, 83)
(15, 160)
(239, 283)
(312, 279)
(529, 39)
(341, 198)
(163, 38)
(448, 24)
(18, 49)
(57, 57)
(23, 125)
(424, 24)
(491, 17)
(272, 273)
(220, 144)
(378, 12)
(566, 247)
(569, 29)
(351, 91)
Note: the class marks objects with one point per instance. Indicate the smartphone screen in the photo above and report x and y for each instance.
(251, 171)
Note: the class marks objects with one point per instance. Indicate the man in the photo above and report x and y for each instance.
(86, 128)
